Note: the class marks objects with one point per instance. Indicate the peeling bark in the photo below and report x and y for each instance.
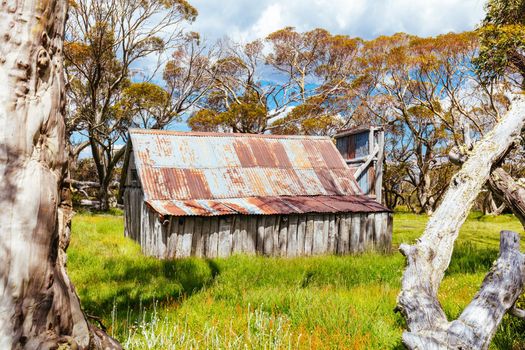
(509, 191)
(428, 259)
(39, 308)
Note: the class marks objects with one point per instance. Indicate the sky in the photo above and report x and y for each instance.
(245, 20)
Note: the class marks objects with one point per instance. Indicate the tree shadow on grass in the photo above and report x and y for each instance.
(128, 287)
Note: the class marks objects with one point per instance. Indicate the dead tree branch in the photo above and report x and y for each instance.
(428, 327)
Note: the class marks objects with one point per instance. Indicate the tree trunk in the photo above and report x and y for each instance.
(103, 198)
(428, 327)
(38, 304)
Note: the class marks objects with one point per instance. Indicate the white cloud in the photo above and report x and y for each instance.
(247, 19)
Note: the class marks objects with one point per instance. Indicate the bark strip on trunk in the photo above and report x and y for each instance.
(509, 191)
(39, 308)
(428, 259)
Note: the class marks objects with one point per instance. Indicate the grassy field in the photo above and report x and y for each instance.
(326, 302)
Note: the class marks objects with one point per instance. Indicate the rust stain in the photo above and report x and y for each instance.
(196, 184)
(328, 182)
(314, 155)
(279, 153)
(163, 147)
(245, 154)
(262, 153)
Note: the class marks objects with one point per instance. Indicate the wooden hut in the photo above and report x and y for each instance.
(214, 194)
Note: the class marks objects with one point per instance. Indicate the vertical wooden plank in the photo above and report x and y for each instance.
(350, 218)
(276, 225)
(243, 227)
(251, 234)
(326, 233)
(205, 236)
(388, 232)
(355, 232)
(291, 249)
(370, 231)
(344, 234)
(143, 228)
(236, 234)
(320, 236)
(309, 235)
(362, 232)
(149, 232)
(127, 214)
(160, 238)
(212, 247)
(139, 214)
(332, 234)
(379, 166)
(283, 235)
(378, 231)
(225, 236)
(196, 241)
(187, 237)
(171, 243)
(259, 243)
(301, 234)
(269, 223)
(180, 235)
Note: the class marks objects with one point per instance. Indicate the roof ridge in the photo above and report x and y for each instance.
(221, 134)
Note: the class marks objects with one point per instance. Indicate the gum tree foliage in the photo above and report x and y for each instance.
(502, 52)
(431, 100)
(311, 70)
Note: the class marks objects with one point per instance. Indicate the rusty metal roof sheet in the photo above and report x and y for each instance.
(219, 174)
(267, 205)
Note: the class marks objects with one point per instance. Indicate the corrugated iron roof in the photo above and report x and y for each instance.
(219, 174)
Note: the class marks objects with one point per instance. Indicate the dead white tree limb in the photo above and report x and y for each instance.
(427, 260)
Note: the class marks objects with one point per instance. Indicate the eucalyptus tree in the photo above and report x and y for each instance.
(289, 82)
(427, 93)
(500, 60)
(107, 42)
(39, 308)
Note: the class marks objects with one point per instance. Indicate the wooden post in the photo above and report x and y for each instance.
(379, 166)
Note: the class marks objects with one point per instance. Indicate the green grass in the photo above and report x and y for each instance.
(325, 302)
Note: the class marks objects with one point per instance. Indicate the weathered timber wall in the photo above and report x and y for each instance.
(274, 235)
